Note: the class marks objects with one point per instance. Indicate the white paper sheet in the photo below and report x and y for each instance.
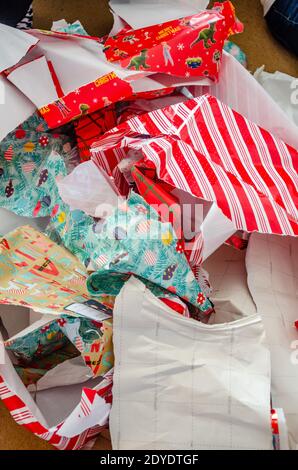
(267, 4)
(53, 405)
(15, 108)
(99, 414)
(9, 374)
(180, 384)
(118, 25)
(71, 372)
(10, 221)
(216, 229)
(14, 318)
(272, 267)
(283, 429)
(228, 278)
(57, 404)
(77, 61)
(35, 81)
(87, 188)
(141, 13)
(283, 89)
(14, 45)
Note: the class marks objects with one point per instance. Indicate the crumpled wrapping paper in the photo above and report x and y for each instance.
(206, 149)
(38, 273)
(134, 240)
(283, 90)
(92, 339)
(182, 384)
(189, 46)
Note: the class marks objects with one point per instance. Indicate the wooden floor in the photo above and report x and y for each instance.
(260, 48)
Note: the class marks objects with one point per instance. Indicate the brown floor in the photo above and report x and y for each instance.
(260, 48)
(256, 41)
(14, 437)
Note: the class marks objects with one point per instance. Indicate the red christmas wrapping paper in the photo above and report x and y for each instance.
(102, 92)
(238, 240)
(206, 149)
(151, 95)
(89, 128)
(168, 207)
(187, 47)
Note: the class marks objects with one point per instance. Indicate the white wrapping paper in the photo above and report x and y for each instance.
(180, 384)
(14, 45)
(141, 13)
(90, 190)
(272, 267)
(283, 89)
(56, 414)
(15, 108)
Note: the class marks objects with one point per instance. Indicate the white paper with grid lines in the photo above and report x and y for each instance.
(180, 384)
(228, 279)
(272, 267)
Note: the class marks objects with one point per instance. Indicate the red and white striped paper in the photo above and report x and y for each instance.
(205, 148)
(21, 413)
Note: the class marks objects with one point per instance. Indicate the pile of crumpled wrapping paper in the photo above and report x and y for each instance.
(149, 251)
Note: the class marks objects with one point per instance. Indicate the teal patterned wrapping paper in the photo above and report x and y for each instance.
(31, 161)
(134, 241)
